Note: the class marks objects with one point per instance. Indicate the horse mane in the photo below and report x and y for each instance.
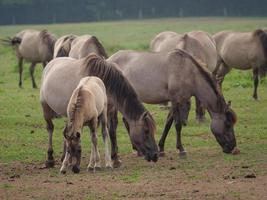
(100, 49)
(48, 40)
(117, 86)
(76, 105)
(62, 51)
(206, 75)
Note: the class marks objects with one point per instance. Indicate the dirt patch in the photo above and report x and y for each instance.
(170, 178)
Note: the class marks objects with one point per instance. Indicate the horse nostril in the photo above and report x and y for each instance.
(75, 169)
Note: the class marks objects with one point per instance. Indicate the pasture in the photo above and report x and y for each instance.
(206, 173)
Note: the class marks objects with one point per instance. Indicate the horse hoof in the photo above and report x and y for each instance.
(49, 163)
(109, 167)
(182, 154)
(161, 154)
(75, 169)
(116, 163)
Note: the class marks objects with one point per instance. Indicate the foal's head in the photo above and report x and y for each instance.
(222, 127)
(142, 134)
(73, 146)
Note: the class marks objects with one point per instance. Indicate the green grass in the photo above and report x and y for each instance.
(23, 136)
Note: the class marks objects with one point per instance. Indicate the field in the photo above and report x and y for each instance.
(206, 173)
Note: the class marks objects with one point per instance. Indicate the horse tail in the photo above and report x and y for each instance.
(261, 34)
(99, 46)
(118, 87)
(11, 41)
(48, 40)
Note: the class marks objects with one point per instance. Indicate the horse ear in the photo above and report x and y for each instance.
(126, 124)
(231, 116)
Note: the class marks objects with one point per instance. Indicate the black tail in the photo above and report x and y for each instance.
(11, 41)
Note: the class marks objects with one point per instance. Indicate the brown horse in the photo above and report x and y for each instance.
(87, 106)
(242, 50)
(33, 46)
(63, 45)
(62, 75)
(176, 76)
(198, 43)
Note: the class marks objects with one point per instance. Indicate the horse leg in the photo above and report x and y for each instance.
(32, 67)
(64, 151)
(96, 156)
(48, 115)
(112, 125)
(20, 71)
(167, 127)
(105, 139)
(224, 69)
(200, 111)
(65, 163)
(178, 127)
(256, 82)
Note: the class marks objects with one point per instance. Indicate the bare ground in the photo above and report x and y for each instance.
(170, 178)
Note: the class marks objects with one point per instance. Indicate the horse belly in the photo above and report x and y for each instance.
(58, 87)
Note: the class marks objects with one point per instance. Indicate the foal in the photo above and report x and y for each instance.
(87, 106)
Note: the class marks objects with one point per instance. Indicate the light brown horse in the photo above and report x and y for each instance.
(176, 76)
(62, 75)
(33, 46)
(87, 106)
(198, 43)
(242, 50)
(63, 45)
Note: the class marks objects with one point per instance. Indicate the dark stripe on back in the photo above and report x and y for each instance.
(99, 46)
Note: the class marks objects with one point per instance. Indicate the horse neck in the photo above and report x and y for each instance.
(208, 97)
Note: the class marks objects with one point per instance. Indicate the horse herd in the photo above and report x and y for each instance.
(82, 83)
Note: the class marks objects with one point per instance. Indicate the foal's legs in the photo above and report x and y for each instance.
(48, 115)
(95, 161)
(112, 125)
(32, 67)
(167, 127)
(20, 71)
(65, 163)
(200, 111)
(256, 82)
(105, 139)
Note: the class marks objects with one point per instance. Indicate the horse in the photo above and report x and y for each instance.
(243, 51)
(198, 43)
(63, 45)
(33, 46)
(62, 75)
(175, 76)
(87, 106)
(79, 46)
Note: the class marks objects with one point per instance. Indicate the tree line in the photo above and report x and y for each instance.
(60, 11)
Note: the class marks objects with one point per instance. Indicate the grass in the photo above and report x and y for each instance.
(23, 137)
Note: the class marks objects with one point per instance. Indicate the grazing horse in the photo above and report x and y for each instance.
(242, 50)
(62, 75)
(198, 43)
(175, 76)
(63, 45)
(33, 46)
(87, 106)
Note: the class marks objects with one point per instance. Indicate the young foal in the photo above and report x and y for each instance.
(87, 105)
